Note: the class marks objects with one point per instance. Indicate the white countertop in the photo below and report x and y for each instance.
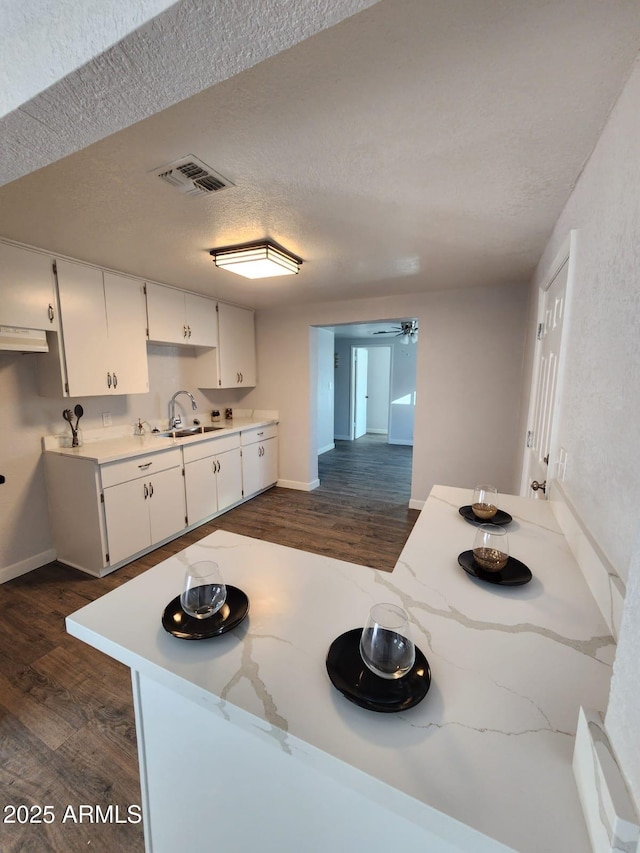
(125, 446)
(490, 745)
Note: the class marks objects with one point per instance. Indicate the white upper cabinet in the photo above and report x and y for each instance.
(26, 289)
(233, 363)
(236, 346)
(104, 335)
(176, 317)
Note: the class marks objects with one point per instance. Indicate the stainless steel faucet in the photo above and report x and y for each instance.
(176, 420)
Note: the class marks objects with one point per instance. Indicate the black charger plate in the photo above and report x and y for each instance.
(357, 683)
(185, 627)
(514, 573)
(501, 518)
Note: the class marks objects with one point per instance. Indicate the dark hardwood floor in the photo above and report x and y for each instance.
(67, 733)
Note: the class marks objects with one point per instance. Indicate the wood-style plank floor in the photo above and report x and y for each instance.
(67, 733)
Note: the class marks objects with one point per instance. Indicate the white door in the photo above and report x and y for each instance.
(167, 511)
(127, 517)
(84, 329)
(229, 478)
(360, 369)
(269, 462)
(236, 346)
(200, 488)
(166, 314)
(26, 289)
(540, 454)
(126, 326)
(202, 320)
(251, 469)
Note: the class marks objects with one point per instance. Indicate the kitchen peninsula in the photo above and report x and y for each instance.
(243, 738)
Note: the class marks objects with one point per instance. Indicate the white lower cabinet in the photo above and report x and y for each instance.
(259, 458)
(142, 512)
(105, 514)
(212, 477)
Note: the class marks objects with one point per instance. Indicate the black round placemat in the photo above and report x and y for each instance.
(357, 683)
(514, 573)
(501, 518)
(185, 627)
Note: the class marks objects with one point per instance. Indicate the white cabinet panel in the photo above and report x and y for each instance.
(259, 463)
(127, 517)
(124, 300)
(229, 478)
(236, 346)
(84, 329)
(143, 511)
(103, 336)
(176, 317)
(26, 289)
(166, 504)
(212, 484)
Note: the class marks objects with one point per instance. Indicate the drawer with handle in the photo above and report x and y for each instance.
(251, 436)
(139, 466)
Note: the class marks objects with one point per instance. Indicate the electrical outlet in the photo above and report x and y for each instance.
(106, 419)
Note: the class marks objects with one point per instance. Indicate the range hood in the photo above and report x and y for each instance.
(13, 339)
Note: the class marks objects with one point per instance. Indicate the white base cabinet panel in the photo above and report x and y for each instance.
(212, 484)
(141, 512)
(259, 459)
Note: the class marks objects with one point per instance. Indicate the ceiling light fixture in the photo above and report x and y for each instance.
(257, 260)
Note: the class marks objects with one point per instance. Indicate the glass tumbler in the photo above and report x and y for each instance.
(204, 590)
(386, 646)
(491, 547)
(484, 504)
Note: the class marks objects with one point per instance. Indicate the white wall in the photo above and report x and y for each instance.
(599, 412)
(378, 384)
(326, 383)
(457, 404)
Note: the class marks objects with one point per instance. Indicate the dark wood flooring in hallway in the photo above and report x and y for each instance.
(67, 733)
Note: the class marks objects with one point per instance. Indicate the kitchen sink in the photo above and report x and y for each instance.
(187, 431)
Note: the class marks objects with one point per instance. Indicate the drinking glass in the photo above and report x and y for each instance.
(386, 646)
(204, 590)
(491, 547)
(485, 501)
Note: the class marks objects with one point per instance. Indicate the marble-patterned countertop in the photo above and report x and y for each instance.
(112, 449)
(490, 745)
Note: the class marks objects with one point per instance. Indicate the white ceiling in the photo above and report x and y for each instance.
(420, 144)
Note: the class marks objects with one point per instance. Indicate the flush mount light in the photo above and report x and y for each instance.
(257, 260)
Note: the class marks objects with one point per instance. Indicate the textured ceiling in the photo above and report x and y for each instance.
(420, 144)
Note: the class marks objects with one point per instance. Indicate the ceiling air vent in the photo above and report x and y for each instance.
(192, 177)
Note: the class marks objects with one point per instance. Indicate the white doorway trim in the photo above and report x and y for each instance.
(566, 255)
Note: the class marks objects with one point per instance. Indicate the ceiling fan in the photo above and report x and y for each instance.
(407, 330)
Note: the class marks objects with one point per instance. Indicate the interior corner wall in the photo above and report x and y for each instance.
(599, 411)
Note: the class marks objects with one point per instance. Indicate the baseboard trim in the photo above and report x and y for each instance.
(342, 438)
(608, 809)
(326, 448)
(405, 441)
(25, 566)
(377, 432)
(299, 486)
(606, 586)
(413, 504)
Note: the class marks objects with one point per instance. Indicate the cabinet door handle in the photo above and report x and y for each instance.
(146, 491)
(240, 375)
(184, 331)
(50, 312)
(150, 490)
(108, 380)
(115, 380)
(260, 433)
(145, 466)
(189, 331)
(214, 466)
(218, 466)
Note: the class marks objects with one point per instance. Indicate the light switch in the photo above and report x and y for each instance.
(106, 419)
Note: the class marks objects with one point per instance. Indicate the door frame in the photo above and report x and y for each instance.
(565, 255)
(368, 346)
